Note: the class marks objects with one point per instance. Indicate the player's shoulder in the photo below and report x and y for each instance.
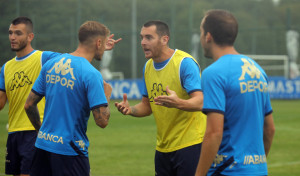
(182, 53)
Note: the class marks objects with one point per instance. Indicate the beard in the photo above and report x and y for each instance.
(98, 56)
(207, 53)
(22, 45)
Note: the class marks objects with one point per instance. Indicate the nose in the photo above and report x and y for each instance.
(12, 36)
(143, 41)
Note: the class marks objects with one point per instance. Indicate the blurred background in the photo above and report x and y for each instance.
(268, 29)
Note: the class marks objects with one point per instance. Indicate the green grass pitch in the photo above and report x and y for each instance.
(126, 146)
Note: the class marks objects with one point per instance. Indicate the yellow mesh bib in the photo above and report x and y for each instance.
(20, 76)
(176, 129)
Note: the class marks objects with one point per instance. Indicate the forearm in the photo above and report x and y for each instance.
(32, 110)
(140, 110)
(3, 99)
(195, 103)
(101, 116)
(34, 116)
(209, 150)
(192, 104)
(269, 131)
(211, 143)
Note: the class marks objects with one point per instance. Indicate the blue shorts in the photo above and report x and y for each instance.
(19, 152)
(51, 164)
(182, 162)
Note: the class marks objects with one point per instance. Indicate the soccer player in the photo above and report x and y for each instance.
(172, 92)
(73, 88)
(240, 125)
(16, 79)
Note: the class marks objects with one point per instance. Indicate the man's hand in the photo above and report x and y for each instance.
(171, 100)
(110, 43)
(124, 106)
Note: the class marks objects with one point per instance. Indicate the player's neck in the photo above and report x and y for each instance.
(82, 52)
(221, 51)
(28, 49)
(165, 54)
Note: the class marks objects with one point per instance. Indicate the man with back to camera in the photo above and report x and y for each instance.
(73, 88)
(16, 79)
(240, 126)
(172, 92)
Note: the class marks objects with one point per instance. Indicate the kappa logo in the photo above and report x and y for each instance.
(219, 159)
(157, 90)
(63, 68)
(81, 144)
(20, 80)
(250, 69)
(255, 83)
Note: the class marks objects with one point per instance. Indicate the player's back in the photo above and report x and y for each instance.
(246, 102)
(66, 84)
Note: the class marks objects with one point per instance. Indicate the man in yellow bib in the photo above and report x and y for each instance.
(173, 93)
(16, 80)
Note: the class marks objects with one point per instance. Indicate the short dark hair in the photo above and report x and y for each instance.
(24, 20)
(91, 29)
(222, 25)
(161, 27)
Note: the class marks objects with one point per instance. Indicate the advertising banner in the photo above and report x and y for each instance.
(279, 88)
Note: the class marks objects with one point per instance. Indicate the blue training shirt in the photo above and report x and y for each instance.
(189, 75)
(72, 87)
(236, 86)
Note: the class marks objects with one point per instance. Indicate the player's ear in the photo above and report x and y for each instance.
(98, 43)
(30, 37)
(208, 37)
(165, 39)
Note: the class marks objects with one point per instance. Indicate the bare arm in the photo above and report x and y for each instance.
(102, 114)
(3, 99)
(32, 110)
(269, 131)
(141, 109)
(211, 143)
(194, 103)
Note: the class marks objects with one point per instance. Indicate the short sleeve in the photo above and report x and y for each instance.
(2, 81)
(144, 88)
(95, 90)
(39, 86)
(190, 75)
(47, 55)
(213, 92)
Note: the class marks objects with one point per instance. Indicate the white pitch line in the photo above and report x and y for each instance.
(283, 164)
(287, 129)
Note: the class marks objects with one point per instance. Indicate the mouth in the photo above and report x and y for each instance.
(13, 44)
(147, 51)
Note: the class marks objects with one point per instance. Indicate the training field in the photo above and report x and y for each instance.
(126, 146)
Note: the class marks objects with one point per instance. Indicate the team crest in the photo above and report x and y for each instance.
(218, 159)
(20, 80)
(157, 90)
(63, 68)
(250, 69)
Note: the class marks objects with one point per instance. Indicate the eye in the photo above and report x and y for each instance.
(19, 33)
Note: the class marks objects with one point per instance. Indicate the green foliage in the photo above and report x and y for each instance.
(262, 25)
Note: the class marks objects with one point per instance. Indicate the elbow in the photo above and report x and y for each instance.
(104, 122)
(271, 131)
(26, 107)
(102, 125)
